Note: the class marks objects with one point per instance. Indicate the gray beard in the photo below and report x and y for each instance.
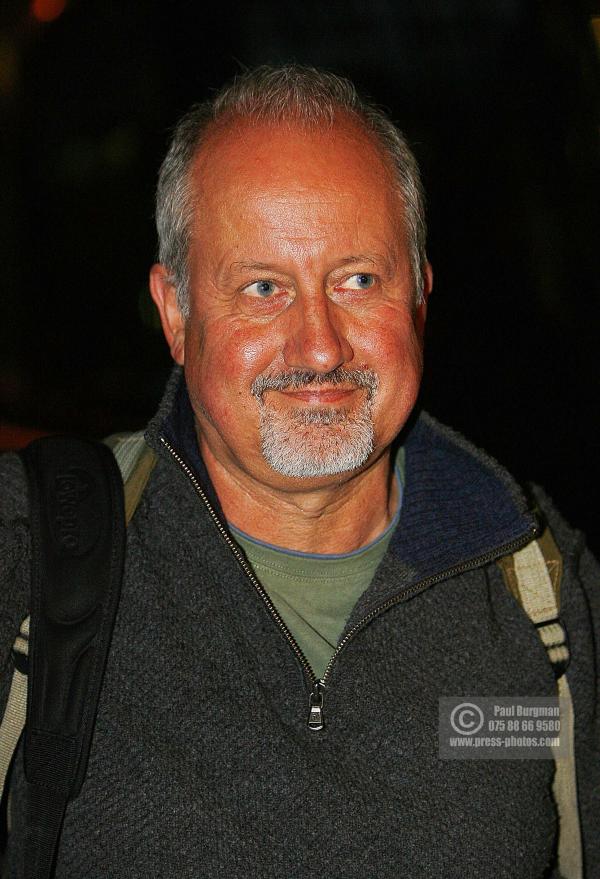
(320, 441)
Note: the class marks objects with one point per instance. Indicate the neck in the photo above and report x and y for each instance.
(336, 518)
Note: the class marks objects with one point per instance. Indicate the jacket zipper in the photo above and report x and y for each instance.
(318, 685)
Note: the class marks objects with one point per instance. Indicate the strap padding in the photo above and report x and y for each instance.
(14, 716)
(533, 575)
(78, 550)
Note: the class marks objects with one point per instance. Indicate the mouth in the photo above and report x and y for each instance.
(317, 389)
(319, 396)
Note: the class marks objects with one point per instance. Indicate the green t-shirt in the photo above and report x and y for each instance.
(315, 594)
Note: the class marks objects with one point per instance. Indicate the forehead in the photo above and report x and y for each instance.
(307, 178)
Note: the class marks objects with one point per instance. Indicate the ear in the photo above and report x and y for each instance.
(165, 297)
(421, 309)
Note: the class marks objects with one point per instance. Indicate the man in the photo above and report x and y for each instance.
(312, 564)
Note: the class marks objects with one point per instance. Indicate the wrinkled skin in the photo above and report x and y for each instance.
(299, 261)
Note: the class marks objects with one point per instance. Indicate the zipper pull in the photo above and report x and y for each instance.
(315, 707)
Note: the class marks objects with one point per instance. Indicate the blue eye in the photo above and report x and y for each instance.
(361, 281)
(262, 288)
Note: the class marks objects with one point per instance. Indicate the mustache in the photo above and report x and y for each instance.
(360, 378)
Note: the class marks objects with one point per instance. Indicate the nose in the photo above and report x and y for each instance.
(317, 338)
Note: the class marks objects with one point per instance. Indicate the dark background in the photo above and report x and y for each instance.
(499, 100)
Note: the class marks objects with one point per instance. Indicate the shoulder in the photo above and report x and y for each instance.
(15, 551)
(581, 570)
(580, 615)
(14, 514)
(570, 540)
(13, 496)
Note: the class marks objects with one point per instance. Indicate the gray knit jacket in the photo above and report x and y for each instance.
(202, 764)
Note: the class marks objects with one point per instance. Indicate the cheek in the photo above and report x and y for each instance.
(389, 344)
(243, 351)
(223, 361)
(393, 349)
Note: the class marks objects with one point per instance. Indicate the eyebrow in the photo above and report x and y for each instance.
(359, 257)
(242, 265)
(375, 260)
(253, 266)
(264, 269)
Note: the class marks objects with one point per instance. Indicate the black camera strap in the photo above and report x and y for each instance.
(78, 548)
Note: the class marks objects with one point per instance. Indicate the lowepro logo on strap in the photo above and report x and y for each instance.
(69, 519)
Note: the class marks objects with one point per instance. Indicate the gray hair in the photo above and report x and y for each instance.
(277, 94)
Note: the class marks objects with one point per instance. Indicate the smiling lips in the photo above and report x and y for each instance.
(320, 395)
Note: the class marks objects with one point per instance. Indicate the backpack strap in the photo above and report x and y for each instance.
(533, 575)
(78, 550)
(135, 461)
(16, 707)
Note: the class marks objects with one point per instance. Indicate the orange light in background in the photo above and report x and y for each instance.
(12, 436)
(47, 10)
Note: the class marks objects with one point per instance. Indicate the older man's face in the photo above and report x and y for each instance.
(303, 347)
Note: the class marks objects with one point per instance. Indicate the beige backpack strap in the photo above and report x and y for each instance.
(14, 716)
(533, 575)
(136, 461)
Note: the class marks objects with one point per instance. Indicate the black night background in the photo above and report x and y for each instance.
(500, 103)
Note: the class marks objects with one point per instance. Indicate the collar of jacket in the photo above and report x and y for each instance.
(460, 508)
